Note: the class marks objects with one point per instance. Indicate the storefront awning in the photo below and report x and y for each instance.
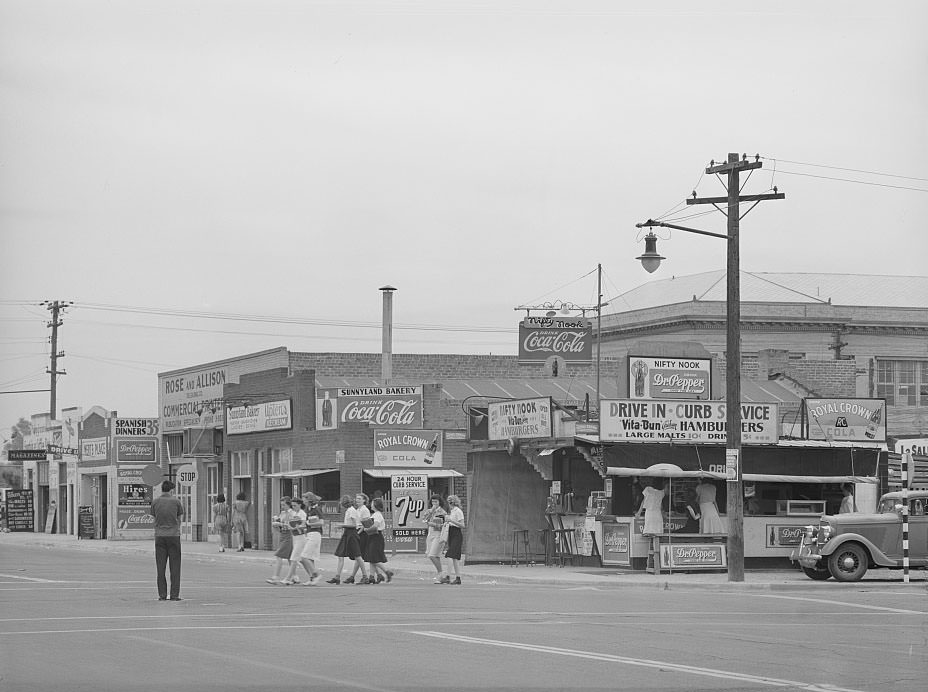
(299, 473)
(431, 473)
(669, 471)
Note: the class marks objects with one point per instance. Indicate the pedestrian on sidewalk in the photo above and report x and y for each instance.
(167, 511)
(222, 522)
(435, 517)
(652, 508)
(364, 522)
(311, 541)
(281, 522)
(240, 520)
(376, 556)
(454, 551)
(348, 545)
(710, 522)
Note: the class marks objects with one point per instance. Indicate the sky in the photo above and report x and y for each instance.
(210, 179)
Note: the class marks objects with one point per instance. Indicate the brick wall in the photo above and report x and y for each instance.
(436, 366)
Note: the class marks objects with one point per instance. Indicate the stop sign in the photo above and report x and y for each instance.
(187, 475)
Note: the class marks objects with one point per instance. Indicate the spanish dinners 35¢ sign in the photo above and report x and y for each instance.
(649, 420)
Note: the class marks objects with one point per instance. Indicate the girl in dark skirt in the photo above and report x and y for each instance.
(348, 546)
(454, 551)
(375, 554)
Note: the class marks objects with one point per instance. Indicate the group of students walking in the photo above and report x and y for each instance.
(362, 541)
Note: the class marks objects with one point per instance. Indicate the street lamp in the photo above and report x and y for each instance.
(651, 260)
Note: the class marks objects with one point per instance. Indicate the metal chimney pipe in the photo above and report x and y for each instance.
(386, 367)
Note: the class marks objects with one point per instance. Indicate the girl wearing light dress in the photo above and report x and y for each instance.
(710, 522)
(651, 506)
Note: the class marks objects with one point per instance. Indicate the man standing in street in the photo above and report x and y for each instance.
(167, 511)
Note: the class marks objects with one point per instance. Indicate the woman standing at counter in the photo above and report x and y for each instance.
(651, 506)
(710, 522)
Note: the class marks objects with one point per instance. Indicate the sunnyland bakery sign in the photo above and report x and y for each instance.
(631, 420)
(569, 338)
(383, 407)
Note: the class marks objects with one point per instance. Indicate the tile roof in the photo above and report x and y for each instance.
(779, 287)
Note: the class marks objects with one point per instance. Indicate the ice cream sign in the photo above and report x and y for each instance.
(669, 378)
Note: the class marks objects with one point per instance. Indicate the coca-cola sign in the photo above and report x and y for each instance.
(567, 337)
(384, 407)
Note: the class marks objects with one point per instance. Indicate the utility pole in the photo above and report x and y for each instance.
(651, 260)
(57, 308)
(735, 503)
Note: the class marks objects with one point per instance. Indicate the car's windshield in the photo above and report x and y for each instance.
(890, 504)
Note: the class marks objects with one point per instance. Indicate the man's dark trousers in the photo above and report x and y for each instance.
(167, 549)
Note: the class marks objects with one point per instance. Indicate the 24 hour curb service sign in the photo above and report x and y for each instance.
(641, 420)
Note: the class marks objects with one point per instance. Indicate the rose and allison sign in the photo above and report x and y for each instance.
(570, 338)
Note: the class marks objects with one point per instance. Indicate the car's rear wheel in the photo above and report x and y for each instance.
(817, 573)
(848, 563)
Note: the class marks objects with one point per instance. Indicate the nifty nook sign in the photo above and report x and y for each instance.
(520, 418)
(570, 338)
(669, 378)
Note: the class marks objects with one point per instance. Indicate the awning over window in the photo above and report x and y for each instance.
(431, 473)
(299, 473)
(662, 471)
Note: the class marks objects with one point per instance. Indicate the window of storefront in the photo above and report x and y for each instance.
(242, 464)
(902, 382)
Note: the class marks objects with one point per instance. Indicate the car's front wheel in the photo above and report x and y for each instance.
(848, 563)
(817, 573)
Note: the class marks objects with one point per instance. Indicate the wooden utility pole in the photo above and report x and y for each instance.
(735, 503)
(57, 307)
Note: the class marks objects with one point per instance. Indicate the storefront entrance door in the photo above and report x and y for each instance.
(187, 496)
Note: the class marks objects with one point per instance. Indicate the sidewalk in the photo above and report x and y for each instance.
(418, 568)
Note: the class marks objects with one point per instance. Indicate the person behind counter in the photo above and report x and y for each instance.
(710, 522)
(651, 506)
(848, 504)
(691, 510)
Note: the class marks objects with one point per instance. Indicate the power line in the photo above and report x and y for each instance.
(780, 171)
(850, 170)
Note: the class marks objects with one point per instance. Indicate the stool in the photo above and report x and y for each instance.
(564, 546)
(547, 545)
(520, 546)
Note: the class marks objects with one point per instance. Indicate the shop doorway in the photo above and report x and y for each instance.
(213, 479)
(187, 497)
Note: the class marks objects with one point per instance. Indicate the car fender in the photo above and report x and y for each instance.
(876, 555)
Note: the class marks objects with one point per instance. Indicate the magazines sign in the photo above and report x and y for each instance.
(383, 407)
(630, 420)
(408, 448)
(567, 337)
(271, 415)
(520, 419)
(669, 378)
(852, 420)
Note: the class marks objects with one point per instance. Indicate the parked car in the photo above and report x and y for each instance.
(845, 546)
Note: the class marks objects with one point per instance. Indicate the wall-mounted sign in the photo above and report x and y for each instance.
(383, 407)
(135, 427)
(93, 449)
(27, 454)
(693, 556)
(136, 450)
(669, 378)
(410, 496)
(917, 446)
(408, 448)
(781, 536)
(630, 420)
(270, 415)
(520, 418)
(567, 337)
(852, 420)
(192, 399)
